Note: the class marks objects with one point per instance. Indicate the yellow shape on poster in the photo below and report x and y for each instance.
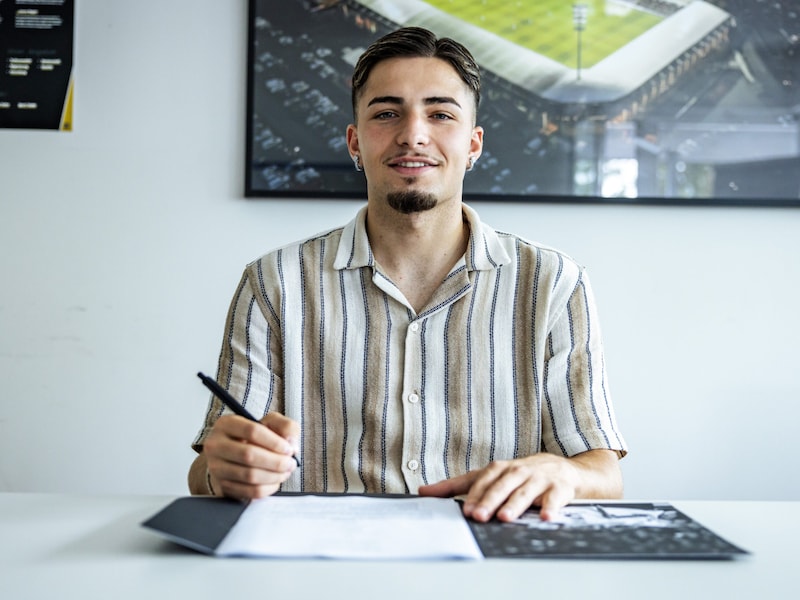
(66, 113)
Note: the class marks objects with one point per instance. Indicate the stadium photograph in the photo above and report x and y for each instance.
(596, 100)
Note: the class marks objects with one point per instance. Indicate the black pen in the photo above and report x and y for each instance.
(229, 401)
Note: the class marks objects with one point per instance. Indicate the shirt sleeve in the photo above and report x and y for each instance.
(250, 361)
(577, 410)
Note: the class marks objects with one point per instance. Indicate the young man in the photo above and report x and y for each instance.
(415, 350)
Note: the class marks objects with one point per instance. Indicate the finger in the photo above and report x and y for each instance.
(252, 432)
(248, 455)
(244, 470)
(247, 492)
(521, 499)
(553, 500)
(233, 473)
(287, 428)
(239, 441)
(494, 485)
(447, 488)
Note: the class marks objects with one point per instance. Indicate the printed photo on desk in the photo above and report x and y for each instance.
(635, 101)
(604, 530)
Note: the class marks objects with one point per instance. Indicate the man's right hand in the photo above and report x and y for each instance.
(251, 460)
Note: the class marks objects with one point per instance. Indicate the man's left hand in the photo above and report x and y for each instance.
(507, 488)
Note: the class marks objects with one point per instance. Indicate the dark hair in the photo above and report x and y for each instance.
(417, 42)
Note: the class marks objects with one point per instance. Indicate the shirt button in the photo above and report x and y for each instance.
(413, 465)
(413, 398)
(414, 327)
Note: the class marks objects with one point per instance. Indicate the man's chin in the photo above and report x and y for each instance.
(411, 201)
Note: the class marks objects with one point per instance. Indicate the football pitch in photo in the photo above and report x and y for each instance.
(546, 26)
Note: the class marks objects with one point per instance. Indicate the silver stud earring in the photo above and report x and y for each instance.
(471, 163)
(357, 162)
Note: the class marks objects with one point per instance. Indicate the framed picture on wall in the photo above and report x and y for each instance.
(636, 101)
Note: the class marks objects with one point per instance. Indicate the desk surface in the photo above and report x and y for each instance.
(72, 546)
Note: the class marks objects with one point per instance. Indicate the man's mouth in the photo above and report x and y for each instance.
(411, 164)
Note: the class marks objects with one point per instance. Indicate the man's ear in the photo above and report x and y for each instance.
(476, 142)
(352, 139)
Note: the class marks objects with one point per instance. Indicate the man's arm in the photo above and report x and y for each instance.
(238, 457)
(508, 488)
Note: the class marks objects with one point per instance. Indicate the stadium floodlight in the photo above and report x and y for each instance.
(580, 15)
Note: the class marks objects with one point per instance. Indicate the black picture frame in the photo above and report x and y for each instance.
(709, 116)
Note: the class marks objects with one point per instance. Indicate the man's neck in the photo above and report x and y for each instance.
(418, 250)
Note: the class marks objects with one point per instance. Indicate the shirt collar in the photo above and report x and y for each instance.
(485, 251)
(354, 251)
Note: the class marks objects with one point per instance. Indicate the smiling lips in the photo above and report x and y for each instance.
(411, 163)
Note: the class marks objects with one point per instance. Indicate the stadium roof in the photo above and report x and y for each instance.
(612, 78)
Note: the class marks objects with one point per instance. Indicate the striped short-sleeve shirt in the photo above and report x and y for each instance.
(506, 360)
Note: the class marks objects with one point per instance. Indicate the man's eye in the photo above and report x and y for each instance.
(387, 114)
(441, 116)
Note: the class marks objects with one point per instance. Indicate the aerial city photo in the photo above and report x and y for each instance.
(679, 101)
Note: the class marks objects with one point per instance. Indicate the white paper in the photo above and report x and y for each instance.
(351, 527)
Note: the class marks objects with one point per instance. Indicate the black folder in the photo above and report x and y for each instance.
(197, 522)
(202, 522)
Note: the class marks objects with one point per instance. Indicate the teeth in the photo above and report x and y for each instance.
(412, 164)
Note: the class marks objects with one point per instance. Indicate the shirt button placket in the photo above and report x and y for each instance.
(412, 377)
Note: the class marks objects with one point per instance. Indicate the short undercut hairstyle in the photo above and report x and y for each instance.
(416, 42)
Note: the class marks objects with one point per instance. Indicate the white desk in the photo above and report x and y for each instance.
(70, 546)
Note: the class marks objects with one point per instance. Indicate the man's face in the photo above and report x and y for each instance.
(415, 133)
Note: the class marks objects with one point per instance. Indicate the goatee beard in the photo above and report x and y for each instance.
(411, 201)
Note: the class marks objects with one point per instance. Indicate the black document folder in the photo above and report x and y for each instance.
(598, 530)
(197, 522)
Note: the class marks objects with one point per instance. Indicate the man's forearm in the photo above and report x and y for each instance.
(600, 475)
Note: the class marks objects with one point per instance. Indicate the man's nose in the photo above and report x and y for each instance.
(413, 131)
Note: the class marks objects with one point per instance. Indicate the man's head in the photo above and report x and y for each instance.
(414, 132)
(410, 42)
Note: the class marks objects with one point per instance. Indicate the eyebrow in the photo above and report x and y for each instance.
(427, 101)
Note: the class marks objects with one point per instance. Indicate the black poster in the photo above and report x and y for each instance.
(36, 44)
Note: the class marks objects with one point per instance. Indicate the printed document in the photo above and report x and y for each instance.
(352, 527)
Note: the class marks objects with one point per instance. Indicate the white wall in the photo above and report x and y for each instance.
(122, 243)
